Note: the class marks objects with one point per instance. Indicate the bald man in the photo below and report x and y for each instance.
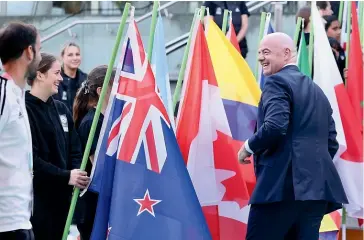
(293, 148)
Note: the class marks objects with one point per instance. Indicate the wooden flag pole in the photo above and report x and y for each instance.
(348, 30)
(177, 91)
(203, 9)
(261, 32)
(341, 8)
(224, 21)
(152, 30)
(90, 139)
(311, 47)
(297, 31)
(361, 21)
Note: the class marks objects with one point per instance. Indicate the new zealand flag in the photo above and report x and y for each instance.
(145, 191)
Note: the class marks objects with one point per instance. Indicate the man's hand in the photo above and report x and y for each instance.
(243, 154)
(79, 179)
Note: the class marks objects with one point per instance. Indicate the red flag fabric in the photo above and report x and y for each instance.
(231, 35)
(247, 170)
(360, 222)
(349, 158)
(355, 70)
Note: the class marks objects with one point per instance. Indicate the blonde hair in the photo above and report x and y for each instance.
(67, 45)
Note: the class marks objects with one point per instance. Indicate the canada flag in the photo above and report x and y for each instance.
(205, 140)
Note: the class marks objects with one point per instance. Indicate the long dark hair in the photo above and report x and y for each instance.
(305, 13)
(44, 65)
(87, 96)
(329, 20)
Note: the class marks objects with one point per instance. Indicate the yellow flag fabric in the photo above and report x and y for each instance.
(328, 224)
(236, 80)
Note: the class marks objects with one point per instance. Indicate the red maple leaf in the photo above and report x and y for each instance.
(226, 159)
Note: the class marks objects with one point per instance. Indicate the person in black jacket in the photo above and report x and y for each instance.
(57, 152)
(83, 113)
(333, 31)
(240, 15)
(71, 74)
(305, 13)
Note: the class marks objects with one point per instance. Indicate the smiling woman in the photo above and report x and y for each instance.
(71, 73)
(57, 151)
(47, 78)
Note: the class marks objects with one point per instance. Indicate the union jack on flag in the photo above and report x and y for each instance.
(141, 110)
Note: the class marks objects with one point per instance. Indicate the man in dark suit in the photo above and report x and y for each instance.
(293, 147)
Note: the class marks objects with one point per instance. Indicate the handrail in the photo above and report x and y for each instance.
(108, 21)
(175, 47)
(248, 4)
(178, 39)
(63, 19)
(259, 5)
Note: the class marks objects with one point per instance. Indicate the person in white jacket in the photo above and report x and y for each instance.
(20, 56)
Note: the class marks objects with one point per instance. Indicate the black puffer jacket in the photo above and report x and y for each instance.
(56, 151)
(68, 88)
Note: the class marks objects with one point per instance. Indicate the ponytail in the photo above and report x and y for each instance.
(81, 104)
(87, 97)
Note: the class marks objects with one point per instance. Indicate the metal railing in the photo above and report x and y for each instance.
(171, 46)
(252, 5)
(177, 40)
(258, 5)
(176, 46)
(107, 21)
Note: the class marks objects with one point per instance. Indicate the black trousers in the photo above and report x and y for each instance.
(87, 210)
(290, 220)
(20, 234)
(244, 52)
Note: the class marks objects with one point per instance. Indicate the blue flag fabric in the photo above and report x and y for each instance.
(328, 235)
(145, 191)
(160, 68)
(269, 30)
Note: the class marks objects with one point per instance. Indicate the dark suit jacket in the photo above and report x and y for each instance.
(295, 142)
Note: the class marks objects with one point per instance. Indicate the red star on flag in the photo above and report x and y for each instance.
(146, 204)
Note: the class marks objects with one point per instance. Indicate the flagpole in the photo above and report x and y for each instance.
(310, 47)
(343, 224)
(341, 8)
(177, 91)
(224, 21)
(152, 30)
(348, 30)
(297, 32)
(90, 139)
(361, 21)
(261, 31)
(300, 46)
(203, 8)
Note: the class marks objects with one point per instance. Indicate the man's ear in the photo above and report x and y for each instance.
(287, 52)
(29, 53)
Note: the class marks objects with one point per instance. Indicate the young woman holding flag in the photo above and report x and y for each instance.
(56, 152)
(84, 109)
